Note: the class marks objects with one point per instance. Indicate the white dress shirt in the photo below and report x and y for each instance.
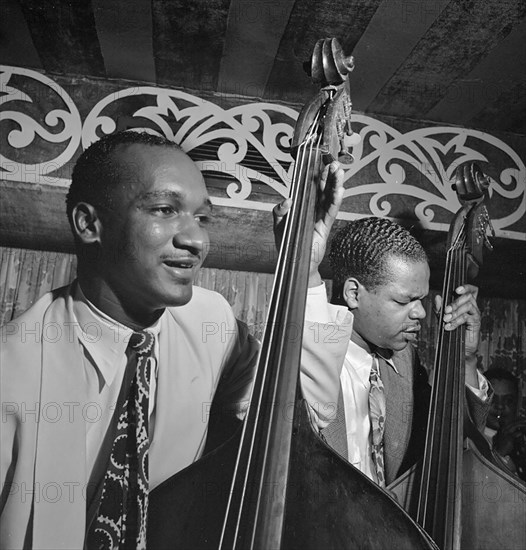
(104, 343)
(355, 384)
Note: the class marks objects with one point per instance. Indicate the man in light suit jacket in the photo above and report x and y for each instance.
(381, 275)
(138, 208)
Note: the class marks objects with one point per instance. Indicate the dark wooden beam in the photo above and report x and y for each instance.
(393, 32)
(309, 21)
(498, 73)
(16, 44)
(188, 42)
(64, 35)
(33, 216)
(507, 112)
(459, 39)
(124, 30)
(252, 38)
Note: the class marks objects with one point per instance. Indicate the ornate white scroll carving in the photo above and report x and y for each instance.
(424, 150)
(65, 120)
(192, 122)
(251, 145)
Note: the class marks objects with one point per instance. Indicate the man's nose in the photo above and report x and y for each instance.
(418, 311)
(191, 235)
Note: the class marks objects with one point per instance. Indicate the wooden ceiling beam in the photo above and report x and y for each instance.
(16, 47)
(311, 20)
(501, 70)
(188, 39)
(393, 32)
(64, 35)
(459, 39)
(253, 35)
(124, 29)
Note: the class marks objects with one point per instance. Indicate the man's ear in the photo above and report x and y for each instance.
(87, 224)
(351, 292)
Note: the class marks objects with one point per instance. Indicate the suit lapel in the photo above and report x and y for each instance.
(60, 467)
(336, 432)
(399, 409)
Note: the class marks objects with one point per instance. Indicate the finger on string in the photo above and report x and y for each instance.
(330, 171)
(324, 177)
(437, 306)
(467, 290)
(281, 209)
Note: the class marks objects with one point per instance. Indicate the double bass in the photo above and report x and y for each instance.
(464, 499)
(276, 484)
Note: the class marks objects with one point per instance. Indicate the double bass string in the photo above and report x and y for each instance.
(449, 466)
(254, 416)
(437, 455)
(300, 191)
(425, 489)
(456, 363)
(440, 496)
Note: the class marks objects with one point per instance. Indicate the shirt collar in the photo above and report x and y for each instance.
(387, 356)
(103, 338)
(363, 349)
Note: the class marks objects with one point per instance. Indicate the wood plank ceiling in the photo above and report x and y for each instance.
(460, 62)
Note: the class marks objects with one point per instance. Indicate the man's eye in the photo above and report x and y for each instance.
(163, 210)
(203, 219)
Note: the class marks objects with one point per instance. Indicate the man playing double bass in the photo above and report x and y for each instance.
(105, 383)
(381, 275)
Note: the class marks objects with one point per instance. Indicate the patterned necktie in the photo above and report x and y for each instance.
(123, 509)
(377, 417)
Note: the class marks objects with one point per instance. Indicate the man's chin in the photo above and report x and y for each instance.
(399, 346)
(179, 299)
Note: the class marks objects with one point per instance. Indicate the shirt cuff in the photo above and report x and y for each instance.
(326, 336)
(482, 391)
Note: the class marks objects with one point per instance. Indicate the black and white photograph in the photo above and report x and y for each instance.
(262, 275)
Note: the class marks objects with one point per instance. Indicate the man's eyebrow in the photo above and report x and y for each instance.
(411, 297)
(177, 195)
(161, 194)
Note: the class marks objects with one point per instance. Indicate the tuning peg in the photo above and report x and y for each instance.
(487, 242)
(485, 223)
(350, 140)
(347, 142)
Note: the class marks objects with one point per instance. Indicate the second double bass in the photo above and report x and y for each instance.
(459, 494)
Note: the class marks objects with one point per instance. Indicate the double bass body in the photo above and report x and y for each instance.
(493, 501)
(329, 503)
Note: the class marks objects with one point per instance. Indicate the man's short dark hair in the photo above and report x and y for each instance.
(96, 173)
(361, 250)
(498, 373)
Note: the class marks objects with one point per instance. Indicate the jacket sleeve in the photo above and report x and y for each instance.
(232, 394)
(477, 403)
(326, 336)
(324, 345)
(235, 384)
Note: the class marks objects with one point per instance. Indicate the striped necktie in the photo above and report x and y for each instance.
(122, 514)
(377, 406)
